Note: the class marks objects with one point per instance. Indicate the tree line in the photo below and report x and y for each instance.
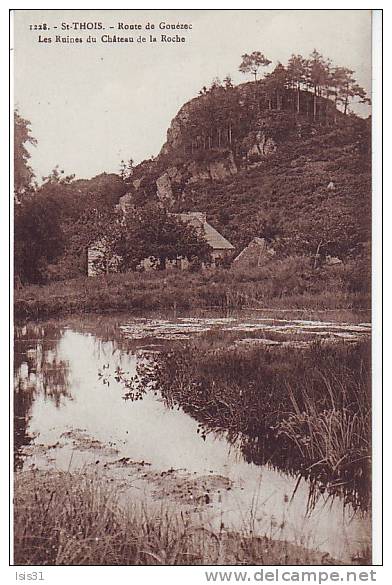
(311, 86)
(55, 223)
(314, 73)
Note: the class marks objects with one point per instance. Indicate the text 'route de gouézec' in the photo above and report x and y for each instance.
(113, 38)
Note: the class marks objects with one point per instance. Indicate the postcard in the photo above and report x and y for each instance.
(192, 288)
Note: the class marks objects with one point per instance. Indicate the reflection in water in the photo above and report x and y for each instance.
(23, 400)
(250, 395)
(38, 369)
(60, 400)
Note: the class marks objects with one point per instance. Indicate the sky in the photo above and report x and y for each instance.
(91, 105)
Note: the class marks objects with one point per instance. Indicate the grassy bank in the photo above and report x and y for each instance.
(287, 283)
(77, 519)
(303, 410)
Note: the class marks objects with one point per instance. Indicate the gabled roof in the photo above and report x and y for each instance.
(212, 236)
(215, 239)
(255, 246)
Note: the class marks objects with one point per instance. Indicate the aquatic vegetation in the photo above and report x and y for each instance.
(305, 410)
(248, 399)
(78, 519)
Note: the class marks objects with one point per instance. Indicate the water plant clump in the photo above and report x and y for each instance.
(304, 410)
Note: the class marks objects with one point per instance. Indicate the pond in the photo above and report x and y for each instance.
(66, 418)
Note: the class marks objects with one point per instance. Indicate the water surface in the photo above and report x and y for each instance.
(66, 418)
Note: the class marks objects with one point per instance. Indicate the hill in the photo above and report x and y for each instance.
(283, 164)
(278, 166)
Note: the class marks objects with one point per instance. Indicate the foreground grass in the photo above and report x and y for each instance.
(284, 285)
(304, 410)
(75, 519)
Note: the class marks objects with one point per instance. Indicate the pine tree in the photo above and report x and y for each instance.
(296, 73)
(252, 63)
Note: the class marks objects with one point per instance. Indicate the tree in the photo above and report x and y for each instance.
(216, 84)
(152, 232)
(58, 177)
(261, 224)
(39, 238)
(23, 174)
(317, 73)
(101, 229)
(275, 84)
(127, 170)
(228, 82)
(253, 62)
(40, 221)
(329, 231)
(103, 191)
(70, 202)
(296, 74)
(346, 88)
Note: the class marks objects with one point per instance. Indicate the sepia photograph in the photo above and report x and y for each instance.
(192, 279)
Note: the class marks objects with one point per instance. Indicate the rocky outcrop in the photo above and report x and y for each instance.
(232, 154)
(220, 169)
(197, 172)
(258, 145)
(125, 202)
(164, 189)
(175, 132)
(212, 136)
(215, 170)
(174, 179)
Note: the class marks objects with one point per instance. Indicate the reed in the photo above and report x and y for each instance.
(304, 410)
(78, 519)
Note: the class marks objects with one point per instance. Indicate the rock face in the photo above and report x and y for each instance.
(176, 129)
(234, 153)
(125, 202)
(258, 145)
(215, 170)
(174, 179)
(211, 138)
(221, 169)
(164, 189)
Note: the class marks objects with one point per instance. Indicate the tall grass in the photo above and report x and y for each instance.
(304, 410)
(287, 283)
(336, 439)
(76, 519)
